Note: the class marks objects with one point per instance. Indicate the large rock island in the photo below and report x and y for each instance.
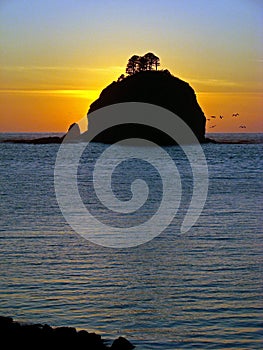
(155, 87)
(146, 84)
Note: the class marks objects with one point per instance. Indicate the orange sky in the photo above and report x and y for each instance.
(56, 59)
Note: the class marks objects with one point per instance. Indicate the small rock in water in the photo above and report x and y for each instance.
(122, 344)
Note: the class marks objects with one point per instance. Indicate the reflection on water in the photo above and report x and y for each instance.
(202, 289)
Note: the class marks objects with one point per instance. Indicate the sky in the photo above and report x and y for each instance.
(57, 55)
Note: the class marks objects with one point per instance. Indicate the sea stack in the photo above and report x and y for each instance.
(155, 87)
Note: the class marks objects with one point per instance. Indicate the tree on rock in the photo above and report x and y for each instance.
(132, 65)
(152, 61)
(121, 77)
(142, 63)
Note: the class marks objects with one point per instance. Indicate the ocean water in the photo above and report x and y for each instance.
(201, 289)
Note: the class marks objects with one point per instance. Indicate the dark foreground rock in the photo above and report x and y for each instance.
(27, 336)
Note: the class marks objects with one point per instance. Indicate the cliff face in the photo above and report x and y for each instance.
(155, 87)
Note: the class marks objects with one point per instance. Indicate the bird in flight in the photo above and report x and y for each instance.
(221, 117)
(213, 116)
(208, 119)
(235, 114)
(212, 126)
(243, 126)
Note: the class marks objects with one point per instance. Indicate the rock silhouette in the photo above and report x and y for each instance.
(73, 137)
(38, 141)
(156, 87)
(73, 133)
(34, 336)
(121, 343)
(159, 88)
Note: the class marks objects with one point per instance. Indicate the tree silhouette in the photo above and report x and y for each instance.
(156, 62)
(121, 77)
(152, 60)
(132, 65)
(142, 63)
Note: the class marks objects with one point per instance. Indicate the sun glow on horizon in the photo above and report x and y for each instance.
(43, 110)
(87, 94)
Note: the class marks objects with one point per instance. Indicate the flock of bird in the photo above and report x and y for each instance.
(222, 117)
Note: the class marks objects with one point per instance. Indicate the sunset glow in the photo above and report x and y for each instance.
(59, 55)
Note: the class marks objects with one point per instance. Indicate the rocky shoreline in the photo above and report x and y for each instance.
(35, 336)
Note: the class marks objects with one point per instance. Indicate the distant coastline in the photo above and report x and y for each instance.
(242, 138)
